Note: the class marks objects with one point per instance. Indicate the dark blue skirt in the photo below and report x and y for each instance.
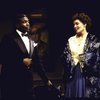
(76, 87)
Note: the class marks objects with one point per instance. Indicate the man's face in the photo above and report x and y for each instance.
(24, 25)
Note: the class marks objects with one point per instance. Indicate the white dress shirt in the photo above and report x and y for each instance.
(25, 39)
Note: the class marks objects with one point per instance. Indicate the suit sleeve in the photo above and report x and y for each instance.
(38, 68)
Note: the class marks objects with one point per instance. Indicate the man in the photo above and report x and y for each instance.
(42, 47)
(18, 63)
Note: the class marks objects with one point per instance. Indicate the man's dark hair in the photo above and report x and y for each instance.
(18, 17)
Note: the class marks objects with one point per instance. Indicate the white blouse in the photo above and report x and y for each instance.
(76, 47)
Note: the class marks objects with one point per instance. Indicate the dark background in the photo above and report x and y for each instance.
(58, 19)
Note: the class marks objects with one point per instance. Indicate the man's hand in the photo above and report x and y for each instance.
(27, 61)
(49, 83)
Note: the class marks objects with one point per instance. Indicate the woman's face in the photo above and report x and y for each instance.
(79, 27)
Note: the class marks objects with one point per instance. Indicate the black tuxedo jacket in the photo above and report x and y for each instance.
(16, 77)
(42, 49)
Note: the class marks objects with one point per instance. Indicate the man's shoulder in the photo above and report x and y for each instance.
(43, 43)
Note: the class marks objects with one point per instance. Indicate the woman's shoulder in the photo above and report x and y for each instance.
(93, 37)
(95, 40)
(72, 38)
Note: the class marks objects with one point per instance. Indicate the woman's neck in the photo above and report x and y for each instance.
(82, 34)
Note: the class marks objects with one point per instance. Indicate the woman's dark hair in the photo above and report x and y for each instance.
(84, 18)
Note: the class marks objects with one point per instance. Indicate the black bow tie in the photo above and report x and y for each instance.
(23, 34)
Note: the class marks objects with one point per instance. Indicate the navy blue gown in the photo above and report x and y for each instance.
(76, 87)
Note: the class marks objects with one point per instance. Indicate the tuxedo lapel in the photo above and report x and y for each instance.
(31, 47)
(20, 43)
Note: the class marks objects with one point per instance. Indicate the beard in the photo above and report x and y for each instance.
(24, 29)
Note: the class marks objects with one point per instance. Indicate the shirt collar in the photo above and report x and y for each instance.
(19, 32)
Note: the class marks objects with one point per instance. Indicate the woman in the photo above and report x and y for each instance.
(81, 60)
